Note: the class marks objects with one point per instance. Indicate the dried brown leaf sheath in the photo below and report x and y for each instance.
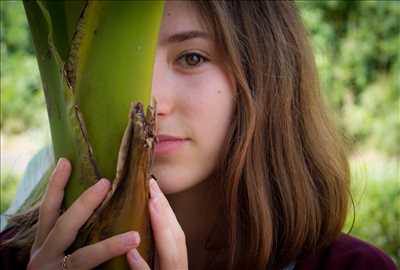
(125, 207)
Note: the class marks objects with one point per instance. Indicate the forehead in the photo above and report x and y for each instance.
(180, 16)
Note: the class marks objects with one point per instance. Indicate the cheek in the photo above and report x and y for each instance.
(205, 107)
(207, 98)
(209, 112)
(211, 103)
(211, 116)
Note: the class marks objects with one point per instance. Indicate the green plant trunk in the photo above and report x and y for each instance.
(95, 60)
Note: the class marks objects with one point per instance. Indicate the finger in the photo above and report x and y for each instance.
(68, 224)
(93, 255)
(50, 207)
(136, 262)
(169, 236)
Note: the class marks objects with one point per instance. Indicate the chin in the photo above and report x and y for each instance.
(170, 189)
(170, 186)
(174, 183)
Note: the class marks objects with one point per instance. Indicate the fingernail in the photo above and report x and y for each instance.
(60, 163)
(131, 239)
(101, 185)
(155, 178)
(154, 189)
(134, 254)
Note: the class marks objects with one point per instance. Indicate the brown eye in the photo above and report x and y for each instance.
(191, 60)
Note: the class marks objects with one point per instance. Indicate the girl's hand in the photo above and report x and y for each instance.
(168, 235)
(55, 233)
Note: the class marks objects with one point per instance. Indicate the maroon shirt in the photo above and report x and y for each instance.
(345, 253)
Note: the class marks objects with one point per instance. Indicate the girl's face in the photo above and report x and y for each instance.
(194, 96)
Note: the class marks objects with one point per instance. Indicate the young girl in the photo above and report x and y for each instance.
(250, 171)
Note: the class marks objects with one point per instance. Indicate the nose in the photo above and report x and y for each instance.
(162, 87)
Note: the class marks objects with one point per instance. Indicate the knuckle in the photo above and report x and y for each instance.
(108, 245)
(47, 207)
(62, 227)
(88, 199)
(117, 246)
(55, 183)
(59, 225)
(53, 177)
(83, 206)
(111, 247)
(44, 209)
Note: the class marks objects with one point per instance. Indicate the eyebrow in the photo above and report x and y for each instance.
(183, 36)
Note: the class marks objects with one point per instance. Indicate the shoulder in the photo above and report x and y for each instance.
(347, 252)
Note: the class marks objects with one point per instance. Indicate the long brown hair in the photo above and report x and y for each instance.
(287, 176)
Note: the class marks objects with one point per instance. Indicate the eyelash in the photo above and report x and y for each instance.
(185, 56)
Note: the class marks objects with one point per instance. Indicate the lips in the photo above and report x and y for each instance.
(168, 144)
(165, 138)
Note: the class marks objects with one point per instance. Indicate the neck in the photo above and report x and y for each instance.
(197, 210)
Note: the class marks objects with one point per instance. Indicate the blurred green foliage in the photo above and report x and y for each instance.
(8, 188)
(22, 102)
(357, 49)
(376, 196)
